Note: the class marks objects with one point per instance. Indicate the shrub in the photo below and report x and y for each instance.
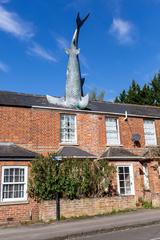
(144, 203)
(73, 178)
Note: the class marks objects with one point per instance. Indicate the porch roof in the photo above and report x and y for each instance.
(11, 151)
(74, 152)
(120, 153)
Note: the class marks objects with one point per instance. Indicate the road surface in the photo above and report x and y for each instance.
(151, 232)
(62, 230)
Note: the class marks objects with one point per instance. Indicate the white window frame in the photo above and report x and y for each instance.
(158, 169)
(131, 179)
(154, 130)
(146, 177)
(118, 132)
(12, 183)
(75, 130)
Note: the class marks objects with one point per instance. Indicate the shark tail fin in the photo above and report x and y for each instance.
(79, 21)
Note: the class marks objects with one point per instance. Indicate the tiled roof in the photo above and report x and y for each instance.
(29, 100)
(71, 151)
(119, 153)
(152, 152)
(10, 150)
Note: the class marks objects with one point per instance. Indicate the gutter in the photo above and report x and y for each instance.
(16, 159)
(138, 158)
(95, 112)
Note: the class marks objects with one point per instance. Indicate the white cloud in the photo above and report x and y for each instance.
(122, 30)
(62, 42)
(11, 23)
(39, 51)
(4, 67)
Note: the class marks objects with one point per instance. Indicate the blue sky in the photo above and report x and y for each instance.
(119, 42)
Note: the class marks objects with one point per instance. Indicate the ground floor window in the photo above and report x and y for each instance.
(14, 183)
(125, 180)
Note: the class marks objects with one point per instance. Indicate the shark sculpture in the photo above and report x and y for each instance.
(74, 84)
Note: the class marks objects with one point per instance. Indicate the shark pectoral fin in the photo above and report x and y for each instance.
(72, 51)
(83, 102)
(67, 51)
(56, 100)
(77, 51)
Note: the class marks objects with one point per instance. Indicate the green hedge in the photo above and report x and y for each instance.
(73, 178)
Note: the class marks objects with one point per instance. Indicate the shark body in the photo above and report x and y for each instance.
(74, 84)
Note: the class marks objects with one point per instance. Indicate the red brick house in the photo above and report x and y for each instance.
(126, 135)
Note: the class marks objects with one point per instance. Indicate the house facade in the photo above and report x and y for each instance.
(126, 135)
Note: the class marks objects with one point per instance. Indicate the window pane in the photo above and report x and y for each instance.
(124, 180)
(112, 134)
(120, 169)
(149, 132)
(127, 176)
(128, 191)
(11, 191)
(21, 175)
(15, 188)
(126, 169)
(121, 177)
(121, 184)
(122, 191)
(68, 128)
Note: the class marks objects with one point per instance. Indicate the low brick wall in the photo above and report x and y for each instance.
(85, 207)
(156, 200)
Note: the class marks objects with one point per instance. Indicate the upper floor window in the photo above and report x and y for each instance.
(112, 131)
(149, 132)
(68, 128)
(14, 183)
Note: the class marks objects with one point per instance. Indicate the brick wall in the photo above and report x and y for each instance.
(86, 207)
(156, 200)
(21, 210)
(39, 129)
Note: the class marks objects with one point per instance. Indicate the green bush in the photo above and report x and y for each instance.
(73, 178)
(144, 203)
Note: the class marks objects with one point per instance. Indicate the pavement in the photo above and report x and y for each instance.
(81, 227)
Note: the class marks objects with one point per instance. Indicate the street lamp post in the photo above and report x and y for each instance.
(58, 160)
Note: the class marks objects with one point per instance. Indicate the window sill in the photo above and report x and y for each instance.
(126, 195)
(155, 145)
(69, 144)
(147, 190)
(13, 203)
(114, 145)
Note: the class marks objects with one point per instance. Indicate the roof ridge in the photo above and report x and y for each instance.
(24, 94)
(20, 93)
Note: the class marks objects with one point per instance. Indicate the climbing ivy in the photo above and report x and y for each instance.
(73, 178)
